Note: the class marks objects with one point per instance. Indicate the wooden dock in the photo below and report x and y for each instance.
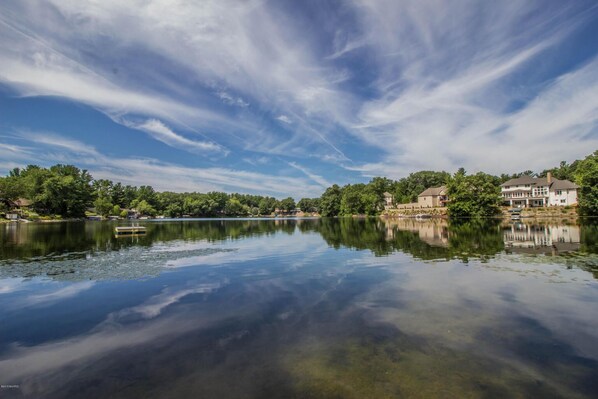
(129, 230)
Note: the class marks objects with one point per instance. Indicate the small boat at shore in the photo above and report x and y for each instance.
(423, 216)
(129, 230)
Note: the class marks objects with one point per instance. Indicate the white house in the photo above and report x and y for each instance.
(529, 191)
(388, 200)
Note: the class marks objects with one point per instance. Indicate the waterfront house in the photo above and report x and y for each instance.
(433, 197)
(22, 203)
(529, 191)
(388, 200)
(15, 208)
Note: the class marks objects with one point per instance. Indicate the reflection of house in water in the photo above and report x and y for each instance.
(433, 232)
(14, 234)
(541, 239)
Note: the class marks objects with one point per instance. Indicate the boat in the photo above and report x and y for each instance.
(515, 213)
(129, 230)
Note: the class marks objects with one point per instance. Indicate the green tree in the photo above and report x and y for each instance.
(234, 207)
(217, 203)
(102, 187)
(147, 194)
(144, 208)
(118, 195)
(5, 186)
(586, 176)
(11, 188)
(67, 192)
(564, 171)
(168, 199)
(267, 205)
(351, 200)
(287, 204)
(29, 182)
(330, 202)
(103, 205)
(309, 204)
(372, 202)
(173, 210)
(474, 195)
(129, 195)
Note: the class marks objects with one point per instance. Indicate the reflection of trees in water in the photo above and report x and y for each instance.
(434, 239)
(589, 237)
(354, 233)
(439, 239)
(475, 239)
(76, 239)
(588, 257)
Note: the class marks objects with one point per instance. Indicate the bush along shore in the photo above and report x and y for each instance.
(67, 192)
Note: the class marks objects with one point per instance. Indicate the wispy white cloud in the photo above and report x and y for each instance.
(162, 175)
(452, 104)
(53, 296)
(285, 119)
(420, 85)
(57, 141)
(262, 160)
(318, 179)
(241, 46)
(232, 100)
(10, 285)
(159, 131)
(155, 305)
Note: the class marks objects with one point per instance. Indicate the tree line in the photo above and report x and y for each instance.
(471, 195)
(68, 191)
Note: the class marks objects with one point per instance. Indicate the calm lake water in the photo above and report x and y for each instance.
(299, 309)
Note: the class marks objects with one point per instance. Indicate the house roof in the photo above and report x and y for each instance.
(433, 191)
(541, 181)
(563, 185)
(23, 202)
(524, 180)
(387, 194)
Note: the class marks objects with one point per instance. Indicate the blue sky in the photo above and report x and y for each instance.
(287, 97)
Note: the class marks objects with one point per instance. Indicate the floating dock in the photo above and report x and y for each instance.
(129, 230)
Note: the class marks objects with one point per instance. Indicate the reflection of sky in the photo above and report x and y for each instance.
(221, 313)
(469, 299)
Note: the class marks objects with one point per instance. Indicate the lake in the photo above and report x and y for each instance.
(312, 308)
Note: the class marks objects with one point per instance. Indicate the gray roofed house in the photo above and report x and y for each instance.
(433, 197)
(433, 191)
(528, 191)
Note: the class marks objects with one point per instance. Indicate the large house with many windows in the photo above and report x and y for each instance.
(529, 191)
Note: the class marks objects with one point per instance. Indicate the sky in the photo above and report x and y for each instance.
(286, 98)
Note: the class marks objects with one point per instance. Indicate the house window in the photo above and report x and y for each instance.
(559, 192)
(563, 201)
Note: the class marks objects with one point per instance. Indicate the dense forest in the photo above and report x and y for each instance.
(67, 191)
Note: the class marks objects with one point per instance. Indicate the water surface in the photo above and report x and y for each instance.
(340, 308)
